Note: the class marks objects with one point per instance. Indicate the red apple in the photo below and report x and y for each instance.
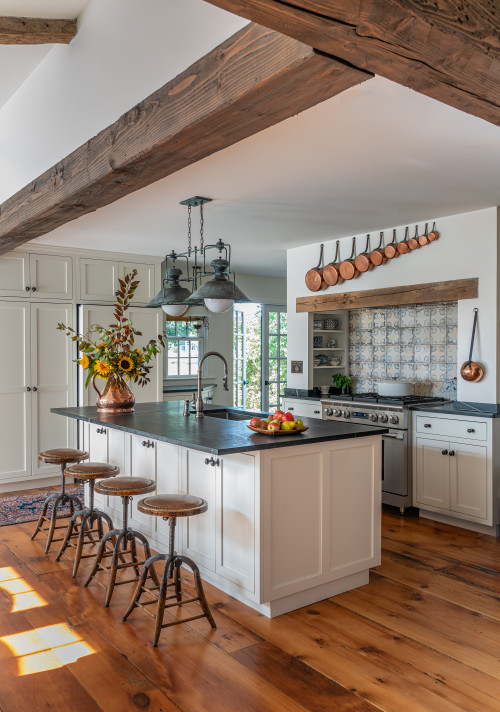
(277, 413)
(287, 416)
(273, 425)
(255, 422)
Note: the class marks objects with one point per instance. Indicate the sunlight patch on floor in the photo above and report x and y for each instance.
(46, 648)
(22, 594)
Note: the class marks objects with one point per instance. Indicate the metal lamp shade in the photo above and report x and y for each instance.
(218, 288)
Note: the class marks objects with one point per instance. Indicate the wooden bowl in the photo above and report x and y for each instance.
(277, 432)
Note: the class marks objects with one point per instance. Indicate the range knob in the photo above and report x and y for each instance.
(337, 412)
(346, 414)
(329, 411)
(394, 419)
(383, 418)
(373, 417)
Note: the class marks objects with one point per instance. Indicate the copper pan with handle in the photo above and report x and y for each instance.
(434, 234)
(377, 255)
(331, 272)
(348, 267)
(391, 250)
(314, 277)
(472, 370)
(424, 238)
(413, 242)
(403, 246)
(363, 262)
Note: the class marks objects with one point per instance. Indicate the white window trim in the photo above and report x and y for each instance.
(201, 338)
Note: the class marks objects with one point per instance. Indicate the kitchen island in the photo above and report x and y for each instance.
(292, 519)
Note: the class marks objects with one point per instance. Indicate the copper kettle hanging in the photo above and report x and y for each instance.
(471, 370)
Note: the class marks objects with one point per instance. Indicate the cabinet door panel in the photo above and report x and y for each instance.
(432, 473)
(15, 400)
(146, 288)
(52, 371)
(168, 482)
(15, 275)
(142, 464)
(98, 450)
(199, 531)
(98, 279)
(51, 276)
(468, 480)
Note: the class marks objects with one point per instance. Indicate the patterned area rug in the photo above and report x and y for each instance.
(27, 507)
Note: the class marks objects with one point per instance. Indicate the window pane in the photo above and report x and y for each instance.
(273, 369)
(273, 347)
(195, 350)
(273, 322)
(173, 348)
(184, 367)
(283, 370)
(184, 348)
(194, 367)
(283, 345)
(283, 323)
(191, 331)
(273, 393)
(173, 367)
(170, 328)
(181, 328)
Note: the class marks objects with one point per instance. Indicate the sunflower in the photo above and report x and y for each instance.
(84, 361)
(103, 369)
(126, 363)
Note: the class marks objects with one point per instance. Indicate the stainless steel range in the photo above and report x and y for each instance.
(372, 409)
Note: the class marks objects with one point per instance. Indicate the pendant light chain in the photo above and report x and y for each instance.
(189, 229)
(202, 223)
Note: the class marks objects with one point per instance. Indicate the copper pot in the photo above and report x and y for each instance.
(391, 250)
(424, 239)
(331, 271)
(115, 397)
(403, 246)
(471, 370)
(363, 262)
(434, 234)
(413, 242)
(377, 256)
(314, 277)
(348, 267)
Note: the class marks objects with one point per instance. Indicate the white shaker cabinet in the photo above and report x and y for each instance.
(36, 275)
(99, 279)
(199, 478)
(302, 408)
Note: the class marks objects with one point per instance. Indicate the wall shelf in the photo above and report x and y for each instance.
(316, 377)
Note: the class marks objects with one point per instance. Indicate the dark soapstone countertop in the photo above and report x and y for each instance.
(464, 408)
(165, 421)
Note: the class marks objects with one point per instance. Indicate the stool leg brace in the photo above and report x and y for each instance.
(171, 572)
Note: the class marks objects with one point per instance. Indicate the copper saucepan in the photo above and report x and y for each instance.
(348, 267)
(314, 277)
(424, 238)
(331, 272)
(363, 262)
(434, 234)
(472, 370)
(403, 246)
(391, 250)
(378, 255)
(413, 242)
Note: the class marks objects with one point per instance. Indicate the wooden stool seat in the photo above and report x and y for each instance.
(124, 539)
(170, 506)
(58, 456)
(84, 530)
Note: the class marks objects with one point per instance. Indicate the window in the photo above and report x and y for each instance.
(184, 349)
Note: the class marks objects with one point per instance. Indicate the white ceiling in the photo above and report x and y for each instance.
(373, 157)
(18, 61)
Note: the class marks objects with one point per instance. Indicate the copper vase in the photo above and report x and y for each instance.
(115, 397)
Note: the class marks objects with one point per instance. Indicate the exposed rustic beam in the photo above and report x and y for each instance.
(35, 30)
(448, 49)
(428, 293)
(254, 80)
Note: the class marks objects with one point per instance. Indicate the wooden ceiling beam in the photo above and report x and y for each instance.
(35, 30)
(253, 80)
(448, 49)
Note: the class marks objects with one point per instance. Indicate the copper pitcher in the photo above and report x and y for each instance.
(377, 255)
(391, 250)
(347, 267)
(363, 262)
(403, 246)
(314, 277)
(413, 242)
(115, 397)
(331, 272)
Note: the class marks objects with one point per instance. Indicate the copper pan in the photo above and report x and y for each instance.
(413, 242)
(348, 267)
(424, 238)
(314, 277)
(471, 370)
(331, 272)
(363, 262)
(403, 246)
(377, 256)
(391, 250)
(434, 234)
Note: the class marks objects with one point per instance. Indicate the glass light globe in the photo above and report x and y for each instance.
(219, 306)
(174, 309)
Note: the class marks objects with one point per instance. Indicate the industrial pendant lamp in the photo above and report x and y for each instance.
(219, 293)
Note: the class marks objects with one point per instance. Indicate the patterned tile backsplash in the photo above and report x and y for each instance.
(417, 343)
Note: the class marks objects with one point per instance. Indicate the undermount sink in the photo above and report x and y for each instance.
(229, 414)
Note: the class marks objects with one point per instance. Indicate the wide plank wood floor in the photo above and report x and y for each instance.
(424, 635)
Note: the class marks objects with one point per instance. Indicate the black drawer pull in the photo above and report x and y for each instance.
(291, 408)
(471, 430)
(101, 431)
(444, 452)
(427, 425)
(148, 443)
(317, 412)
(452, 453)
(211, 461)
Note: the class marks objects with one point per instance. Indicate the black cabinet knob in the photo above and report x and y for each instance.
(317, 412)
(28, 389)
(291, 408)
(35, 388)
(33, 289)
(445, 452)
(27, 289)
(427, 425)
(211, 461)
(471, 430)
(452, 453)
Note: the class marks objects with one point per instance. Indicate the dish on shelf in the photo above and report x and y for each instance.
(318, 324)
(323, 359)
(335, 361)
(316, 361)
(331, 324)
(277, 432)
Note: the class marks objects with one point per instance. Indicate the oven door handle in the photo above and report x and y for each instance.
(394, 436)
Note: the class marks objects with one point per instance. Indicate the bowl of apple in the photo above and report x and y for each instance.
(277, 424)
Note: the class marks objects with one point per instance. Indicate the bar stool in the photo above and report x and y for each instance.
(59, 456)
(126, 488)
(169, 507)
(88, 472)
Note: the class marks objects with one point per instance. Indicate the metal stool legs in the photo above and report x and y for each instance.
(121, 538)
(171, 578)
(88, 517)
(60, 499)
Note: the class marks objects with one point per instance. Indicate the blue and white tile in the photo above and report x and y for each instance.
(449, 389)
(354, 336)
(367, 369)
(408, 370)
(379, 353)
(407, 353)
(365, 336)
(407, 317)
(355, 368)
(452, 314)
(362, 385)
(378, 319)
(393, 370)
(393, 335)
(354, 319)
(393, 354)
(438, 354)
(379, 335)
(392, 318)
(422, 353)
(451, 334)
(438, 314)
(437, 371)
(366, 319)
(354, 353)
(451, 353)
(366, 351)
(422, 335)
(438, 334)
(379, 369)
(422, 316)
(407, 336)
(451, 370)
(422, 371)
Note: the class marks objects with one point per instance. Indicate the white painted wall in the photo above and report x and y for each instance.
(468, 247)
(123, 52)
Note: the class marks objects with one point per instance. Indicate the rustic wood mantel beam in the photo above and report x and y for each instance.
(253, 80)
(448, 49)
(427, 293)
(35, 30)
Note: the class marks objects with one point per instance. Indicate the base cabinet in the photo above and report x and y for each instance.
(301, 408)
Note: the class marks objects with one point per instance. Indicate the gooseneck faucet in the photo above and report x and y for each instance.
(199, 401)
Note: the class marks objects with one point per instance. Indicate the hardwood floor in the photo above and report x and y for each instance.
(423, 636)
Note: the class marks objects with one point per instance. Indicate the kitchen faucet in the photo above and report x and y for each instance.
(199, 401)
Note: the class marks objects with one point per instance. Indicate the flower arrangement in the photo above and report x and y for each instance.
(111, 352)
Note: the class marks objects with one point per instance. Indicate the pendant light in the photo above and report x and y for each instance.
(220, 293)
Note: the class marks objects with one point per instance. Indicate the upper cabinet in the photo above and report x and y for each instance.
(36, 275)
(99, 280)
